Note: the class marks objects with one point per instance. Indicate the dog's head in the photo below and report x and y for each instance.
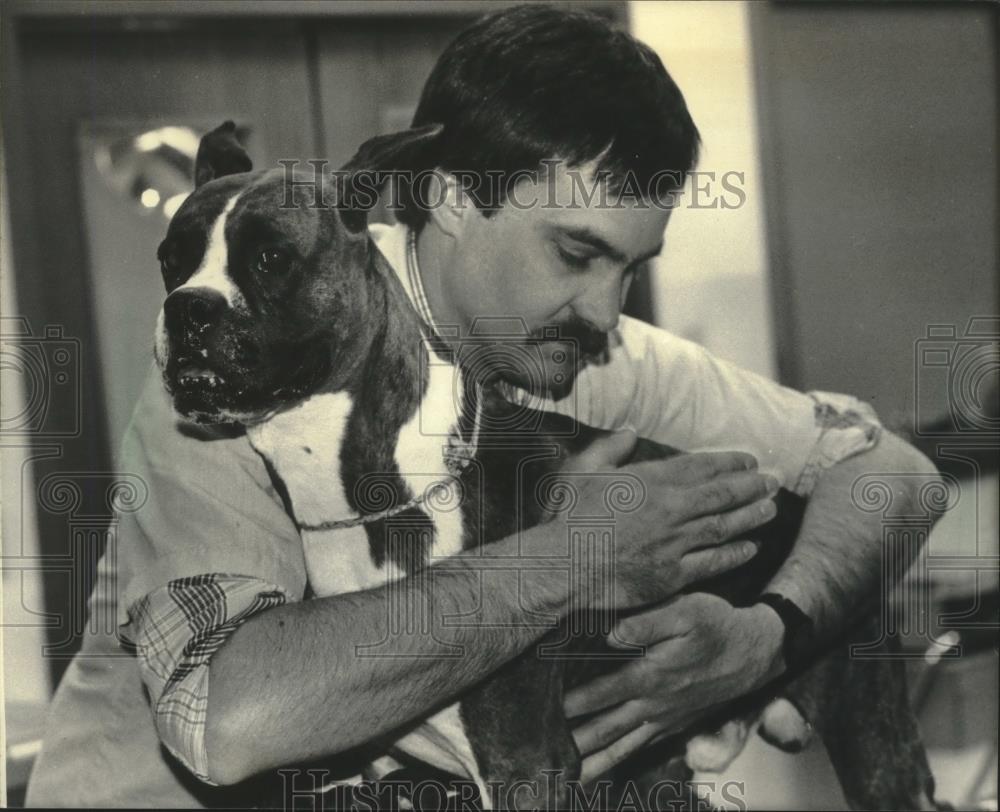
(265, 273)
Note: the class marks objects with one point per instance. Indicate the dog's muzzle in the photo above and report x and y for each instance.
(189, 313)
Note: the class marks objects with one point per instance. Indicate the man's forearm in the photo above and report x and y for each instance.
(835, 569)
(294, 683)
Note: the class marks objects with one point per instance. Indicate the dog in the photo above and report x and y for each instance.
(286, 320)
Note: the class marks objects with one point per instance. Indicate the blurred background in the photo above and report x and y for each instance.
(860, 257)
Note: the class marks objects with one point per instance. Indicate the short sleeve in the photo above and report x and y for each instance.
(847, 427)
(211, 508)
(675, 392)
(175, 630)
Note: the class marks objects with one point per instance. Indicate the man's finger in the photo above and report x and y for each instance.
(608, 451)
(672, 619)
(595, 765)
(602, 692)
(710, 531)
(701, 564)
(607, 727)
(727, 492)
(692, 469)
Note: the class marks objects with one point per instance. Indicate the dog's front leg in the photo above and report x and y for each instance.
(519, 733)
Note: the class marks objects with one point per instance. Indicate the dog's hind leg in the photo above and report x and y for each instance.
(861, 709)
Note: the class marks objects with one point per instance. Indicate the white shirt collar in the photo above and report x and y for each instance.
(398, 245)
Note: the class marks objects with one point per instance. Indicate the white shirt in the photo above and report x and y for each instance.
(677, 393)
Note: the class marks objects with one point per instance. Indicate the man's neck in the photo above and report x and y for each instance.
(433, 250)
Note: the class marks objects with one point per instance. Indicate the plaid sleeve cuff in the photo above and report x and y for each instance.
(176, 629)
(847, 427)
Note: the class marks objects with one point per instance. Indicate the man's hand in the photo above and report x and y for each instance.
(700, 653)
(687, 527)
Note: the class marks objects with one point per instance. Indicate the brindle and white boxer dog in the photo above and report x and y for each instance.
(286, 319)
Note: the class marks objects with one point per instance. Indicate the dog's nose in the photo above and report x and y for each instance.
(188, 312)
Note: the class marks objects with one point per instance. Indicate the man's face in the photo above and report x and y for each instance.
(535, 268)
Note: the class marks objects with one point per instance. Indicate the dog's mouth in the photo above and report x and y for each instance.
(206, 389)
(199, 390)
(191, 374)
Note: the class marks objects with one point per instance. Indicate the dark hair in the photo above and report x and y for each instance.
(536, 81)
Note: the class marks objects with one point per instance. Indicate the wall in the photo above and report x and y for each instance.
(25, 677)
(879, 125)
(710, 284)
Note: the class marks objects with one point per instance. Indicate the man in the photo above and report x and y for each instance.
(238, 673)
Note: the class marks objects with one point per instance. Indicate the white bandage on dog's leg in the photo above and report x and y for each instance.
(782, 725)
(713, 752)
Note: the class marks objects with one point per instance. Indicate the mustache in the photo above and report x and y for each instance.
(591, 342)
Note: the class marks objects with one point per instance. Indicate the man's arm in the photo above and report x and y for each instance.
(295, 672)
(673, 391)
(298, 671)
(702, 652)
(835, 570)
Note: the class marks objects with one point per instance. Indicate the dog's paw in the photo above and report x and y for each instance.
(713, 752)
(782, 725)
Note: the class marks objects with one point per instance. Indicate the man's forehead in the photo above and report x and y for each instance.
(559, 172)
(587, 186)
(578, 203)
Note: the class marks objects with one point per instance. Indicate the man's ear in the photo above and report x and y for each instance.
(452, 202)
(369, 169)
(220, 154)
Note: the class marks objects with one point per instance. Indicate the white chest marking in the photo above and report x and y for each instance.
(420, 453)
(304, 446)
(213, 271)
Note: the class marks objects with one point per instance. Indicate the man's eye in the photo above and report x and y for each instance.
(272, 262)
(578, 261)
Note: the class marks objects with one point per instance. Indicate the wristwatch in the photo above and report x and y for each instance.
(799, 642)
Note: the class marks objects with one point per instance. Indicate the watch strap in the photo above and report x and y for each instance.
(799, 642)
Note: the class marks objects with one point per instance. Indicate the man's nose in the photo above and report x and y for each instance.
(188, 312)
(600, 305)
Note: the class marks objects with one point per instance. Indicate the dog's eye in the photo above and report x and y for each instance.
(170, 262)
(272, 262)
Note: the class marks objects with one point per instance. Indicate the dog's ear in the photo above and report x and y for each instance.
(220, 154)
(376, 158)
(399, 150)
